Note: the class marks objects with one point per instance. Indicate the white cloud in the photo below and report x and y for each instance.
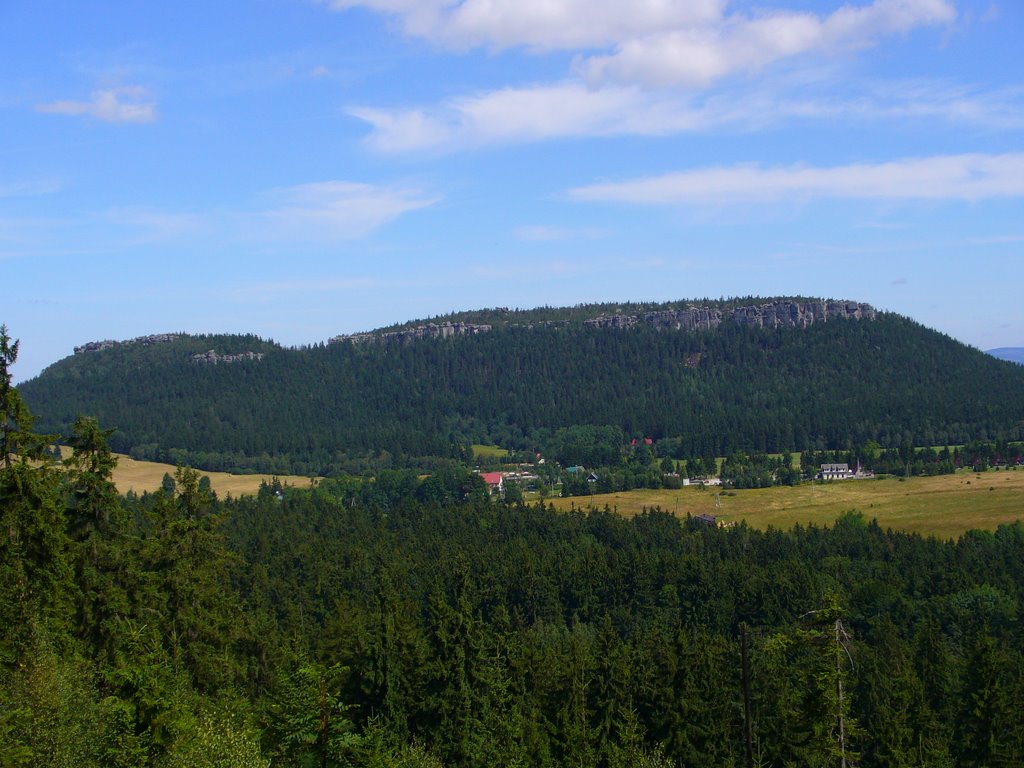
(532, 113)
(336, 210)
(127, 104)
(642, 68)
(697, 57)
(950, 177)
(403, 130)
(569, 109)
(656, 43)
(538, 24)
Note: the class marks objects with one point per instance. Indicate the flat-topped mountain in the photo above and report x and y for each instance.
(1013, 354)
(751, 374)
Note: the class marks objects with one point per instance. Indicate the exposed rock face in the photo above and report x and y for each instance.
(786, 314)
(409, 335)
(775, 314)
(212, 358)
(145, 341)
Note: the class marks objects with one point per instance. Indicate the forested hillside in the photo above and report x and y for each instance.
(421, 623)
(320, 409)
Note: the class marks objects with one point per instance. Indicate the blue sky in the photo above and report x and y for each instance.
(304, 168)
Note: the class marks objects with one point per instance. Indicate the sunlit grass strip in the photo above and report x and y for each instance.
(946, 505)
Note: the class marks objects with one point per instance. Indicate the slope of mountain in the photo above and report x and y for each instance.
(719, 376)
(1012, 354)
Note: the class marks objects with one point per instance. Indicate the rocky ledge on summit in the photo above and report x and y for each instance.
(144, 341)
(773, 314)
(409, 335)
(778, 314)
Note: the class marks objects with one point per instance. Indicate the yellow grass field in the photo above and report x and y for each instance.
(945, 506)
(139, 476)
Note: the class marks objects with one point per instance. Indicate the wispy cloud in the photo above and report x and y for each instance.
(537, 113)
(154, 225)
(270, 290)
(529, 272)
(570, 109)
(30, 188)
(336, 210)
(314, 215)
(948, 177)
(545, 234)
(127, 104)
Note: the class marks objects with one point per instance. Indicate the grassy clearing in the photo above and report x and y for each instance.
(139, 476)
(489, 452)
(944, 506)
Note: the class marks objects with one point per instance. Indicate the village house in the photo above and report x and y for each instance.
(835, 472)
(495, 482)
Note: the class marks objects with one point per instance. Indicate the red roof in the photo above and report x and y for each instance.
(492, 478)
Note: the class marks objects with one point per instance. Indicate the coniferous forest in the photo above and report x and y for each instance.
(416, 621)
(344, 406)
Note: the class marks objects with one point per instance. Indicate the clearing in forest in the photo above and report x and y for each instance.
(139, 476)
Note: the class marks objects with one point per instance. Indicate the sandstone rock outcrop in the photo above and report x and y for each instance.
(409, 335)
(144, 341)
(779, 314)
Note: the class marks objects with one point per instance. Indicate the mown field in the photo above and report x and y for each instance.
(944, 506)
(488, 451)
(139, 476)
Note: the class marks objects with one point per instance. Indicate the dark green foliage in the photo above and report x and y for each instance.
(307, 718)
(419, 622)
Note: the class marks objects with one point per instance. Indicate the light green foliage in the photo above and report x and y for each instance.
(380, 749)
(51, 718)
(216, 740)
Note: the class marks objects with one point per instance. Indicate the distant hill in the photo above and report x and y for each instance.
(699, 378)
(1013, 354)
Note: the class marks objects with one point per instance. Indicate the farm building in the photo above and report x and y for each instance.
(835, 472)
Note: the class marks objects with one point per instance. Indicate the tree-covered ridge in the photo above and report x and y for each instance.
(163, 344)
(328, 407)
